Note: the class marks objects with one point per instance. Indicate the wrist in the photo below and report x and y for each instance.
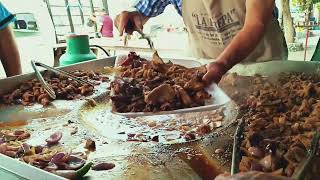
(224, 66)
(227, 59)
(143, 18)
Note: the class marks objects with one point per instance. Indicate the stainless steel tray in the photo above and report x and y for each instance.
(159, 161)
(8, 84)
(24, 171)
(274, 68)
(13, 113)
(192, 160)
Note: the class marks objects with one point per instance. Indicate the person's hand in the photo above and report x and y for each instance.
(129, 21)
(252, 175)
(93, 18)
(215, 71)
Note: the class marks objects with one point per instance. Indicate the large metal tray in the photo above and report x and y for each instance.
(23, 171)
(10, 83)
(159, 161)
(7, 114)
(274, 68)
(192, 160)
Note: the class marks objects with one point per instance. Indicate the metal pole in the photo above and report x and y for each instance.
(306, 45)
(50, 13)
(106, 7)
(81, 12)
(69, 15)
(95, 24)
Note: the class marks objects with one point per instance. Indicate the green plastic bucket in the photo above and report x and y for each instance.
(78, 50)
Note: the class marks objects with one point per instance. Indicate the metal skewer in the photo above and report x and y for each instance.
(45, 85)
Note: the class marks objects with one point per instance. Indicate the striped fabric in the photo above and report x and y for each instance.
(152, 8)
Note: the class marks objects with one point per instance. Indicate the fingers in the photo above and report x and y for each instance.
(116, 21)
(137, 22)
(123, 21)
(213, 75)
(129, 27)
(128, 22)
(209, 77)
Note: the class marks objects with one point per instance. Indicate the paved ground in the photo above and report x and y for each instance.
(299, 55)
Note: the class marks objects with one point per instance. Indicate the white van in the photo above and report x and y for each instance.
(37, 41)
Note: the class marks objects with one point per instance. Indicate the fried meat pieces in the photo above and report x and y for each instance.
(67, 89)
(282, 119)
(151, 86)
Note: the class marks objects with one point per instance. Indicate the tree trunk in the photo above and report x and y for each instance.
(287, 21)
(308, 16)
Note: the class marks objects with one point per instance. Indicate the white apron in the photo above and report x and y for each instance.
(212, 24)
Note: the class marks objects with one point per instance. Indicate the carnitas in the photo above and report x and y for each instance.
(151, 86)
(282, 119)
(31, 92)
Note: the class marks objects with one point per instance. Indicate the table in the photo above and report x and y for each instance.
(113, 45)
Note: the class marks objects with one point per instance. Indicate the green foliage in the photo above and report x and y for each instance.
(318, 6)
(305, 4)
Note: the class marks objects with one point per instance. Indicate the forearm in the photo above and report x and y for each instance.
(144, 19)
(241, 46)
(258, 16)
(9, 53)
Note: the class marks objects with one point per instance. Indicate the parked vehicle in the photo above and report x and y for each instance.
(33, 30)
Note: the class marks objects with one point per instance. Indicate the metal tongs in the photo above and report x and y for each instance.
(45, 85)
(146, 37)
(143, 35)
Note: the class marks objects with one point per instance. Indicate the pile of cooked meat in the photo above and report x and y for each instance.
(151, 86)
(281, 119)
(65, 88)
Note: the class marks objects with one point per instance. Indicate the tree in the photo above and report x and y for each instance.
(287, 21)
(306, 6)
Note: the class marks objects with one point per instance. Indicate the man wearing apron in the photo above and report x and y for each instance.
(227, 31)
